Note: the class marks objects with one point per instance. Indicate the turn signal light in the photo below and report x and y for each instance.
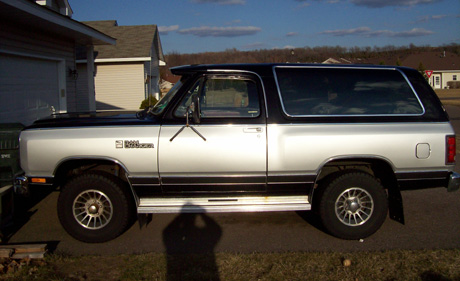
(38, 180)
(451, 149)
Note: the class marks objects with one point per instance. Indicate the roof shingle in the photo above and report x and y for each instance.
(433, 61)
(132, 41)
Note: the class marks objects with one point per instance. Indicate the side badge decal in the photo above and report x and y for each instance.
(132, 144)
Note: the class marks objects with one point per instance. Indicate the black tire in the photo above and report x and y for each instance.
(103, 208)
(352, 205)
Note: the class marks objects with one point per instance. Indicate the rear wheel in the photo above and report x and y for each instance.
(353, 205)
(95, 207)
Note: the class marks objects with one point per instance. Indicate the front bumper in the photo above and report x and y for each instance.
(454, 182)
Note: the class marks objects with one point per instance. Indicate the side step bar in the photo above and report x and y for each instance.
(223, 204)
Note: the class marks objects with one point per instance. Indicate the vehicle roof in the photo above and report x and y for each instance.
(262, 68)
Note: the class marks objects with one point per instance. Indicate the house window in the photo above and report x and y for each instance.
(454, 77)
(437, 80)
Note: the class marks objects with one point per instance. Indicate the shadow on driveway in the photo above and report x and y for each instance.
(24, 209)
(190, 240)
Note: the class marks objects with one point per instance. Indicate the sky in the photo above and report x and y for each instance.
(195, 26)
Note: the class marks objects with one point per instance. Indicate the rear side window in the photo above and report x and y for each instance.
(345, 92)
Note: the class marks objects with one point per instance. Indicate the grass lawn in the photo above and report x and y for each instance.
(386, 265)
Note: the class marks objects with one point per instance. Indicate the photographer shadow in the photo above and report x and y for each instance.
(190, 240)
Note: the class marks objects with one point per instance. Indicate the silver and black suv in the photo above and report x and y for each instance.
(341, 141)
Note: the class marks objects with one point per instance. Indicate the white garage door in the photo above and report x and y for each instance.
(29, 88)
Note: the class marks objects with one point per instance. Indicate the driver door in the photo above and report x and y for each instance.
(230, 155)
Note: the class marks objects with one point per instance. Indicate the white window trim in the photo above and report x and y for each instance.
(118, 60)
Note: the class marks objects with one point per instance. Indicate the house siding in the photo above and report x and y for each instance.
(119, 86)
(82, 103)
(445, 76)
(449, 76)
(155, 75)
(136, 45)
(147, 77)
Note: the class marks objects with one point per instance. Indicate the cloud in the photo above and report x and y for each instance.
(286, 47)
(387, 3)
(344, 32)
(373, 3)
(208, 31)
(164, 30)
(292, 34)
(220, 2)
(430, 18)
(414, 32)
(305, 3)
(237, 21)
(255, 45)
(368, 32)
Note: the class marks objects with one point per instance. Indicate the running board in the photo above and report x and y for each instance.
(223, 204)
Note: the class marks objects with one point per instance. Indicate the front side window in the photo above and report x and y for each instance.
(164, 101)
(345, 91)
(223, 97)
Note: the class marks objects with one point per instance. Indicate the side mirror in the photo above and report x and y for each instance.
(196, 110)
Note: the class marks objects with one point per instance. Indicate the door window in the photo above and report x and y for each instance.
(223, 97)
(437, 80)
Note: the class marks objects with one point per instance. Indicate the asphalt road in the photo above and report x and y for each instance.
(432, 222)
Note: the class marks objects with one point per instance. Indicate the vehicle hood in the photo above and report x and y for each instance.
(86, 119)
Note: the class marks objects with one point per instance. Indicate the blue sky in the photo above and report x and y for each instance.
(192, 26)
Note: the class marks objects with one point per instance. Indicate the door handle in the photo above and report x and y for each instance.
(253, 130)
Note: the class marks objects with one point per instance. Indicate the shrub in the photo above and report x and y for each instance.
(453, 84)
(145, 103)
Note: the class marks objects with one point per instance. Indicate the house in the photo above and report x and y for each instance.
(125, 73)
(165, 86)
(445, 67)
(168, 81)
(37, 59)
(336, 61)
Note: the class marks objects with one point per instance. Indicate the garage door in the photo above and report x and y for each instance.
(29, 88)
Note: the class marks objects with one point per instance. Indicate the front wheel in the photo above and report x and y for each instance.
(94, 207)
(353, 205)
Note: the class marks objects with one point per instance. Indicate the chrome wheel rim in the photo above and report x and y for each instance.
(354, 206)
(92, 209)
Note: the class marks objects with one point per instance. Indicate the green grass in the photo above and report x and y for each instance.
(386, 265)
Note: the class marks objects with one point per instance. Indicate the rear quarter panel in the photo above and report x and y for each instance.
(305, 148)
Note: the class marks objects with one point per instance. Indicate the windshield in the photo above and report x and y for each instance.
(163, 102)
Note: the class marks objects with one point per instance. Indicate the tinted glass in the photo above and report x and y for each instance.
(333, 91)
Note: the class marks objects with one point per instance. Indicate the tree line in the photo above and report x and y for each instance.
(373, 55)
